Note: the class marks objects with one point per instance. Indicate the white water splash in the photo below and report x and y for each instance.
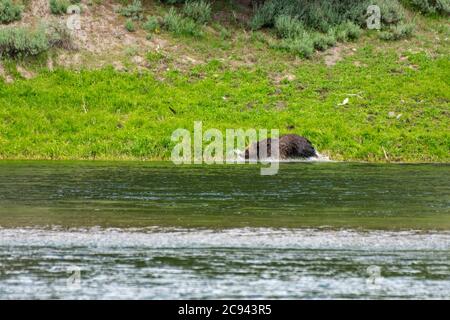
(318, 158)
(236, 238)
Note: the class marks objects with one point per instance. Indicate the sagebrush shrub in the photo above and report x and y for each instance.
(322, 41)
(323, 15)
(288, 27)
(199, 11)
(133, 10)
(25, 41)
(59, 6)
(173, 1)
(180, 25)
(152, 24)
(171, 20)
(301, 39)
(22, 41)
(392, 12)
(10, 11)
(264, 15)
(319, 15)
(432, 6)
(398, 32)
(349, 31)
(303, 47)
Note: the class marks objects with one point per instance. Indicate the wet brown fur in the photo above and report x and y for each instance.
(291, 146)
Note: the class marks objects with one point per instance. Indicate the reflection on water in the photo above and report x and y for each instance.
(153, 230)
(301, 195)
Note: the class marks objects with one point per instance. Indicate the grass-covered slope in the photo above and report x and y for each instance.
(397, 109)
(110, 115)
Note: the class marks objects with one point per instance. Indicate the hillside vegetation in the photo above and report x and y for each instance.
(135, 71)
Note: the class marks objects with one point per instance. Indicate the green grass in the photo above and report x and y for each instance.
(103, 114)
(398, 95)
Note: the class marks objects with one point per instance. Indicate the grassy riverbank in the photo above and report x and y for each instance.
(397, 109)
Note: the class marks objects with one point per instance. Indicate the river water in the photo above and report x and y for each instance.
(154, 231)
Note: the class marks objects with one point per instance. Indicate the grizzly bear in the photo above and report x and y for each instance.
(291, 146)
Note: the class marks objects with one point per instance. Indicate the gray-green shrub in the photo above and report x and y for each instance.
(432, 6)
(288, 27)
(303, 47)
(319, 15)
(323, 15)
(173, 1)
(133, 10)
(151, 24)
(25, 41)
(392, 12)
(398, 32)
(180, 25)
(199, 11)
(10, 11)
(264, 15)
(22, 41)
(59, 6)
(322, 41)
(347, 31)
